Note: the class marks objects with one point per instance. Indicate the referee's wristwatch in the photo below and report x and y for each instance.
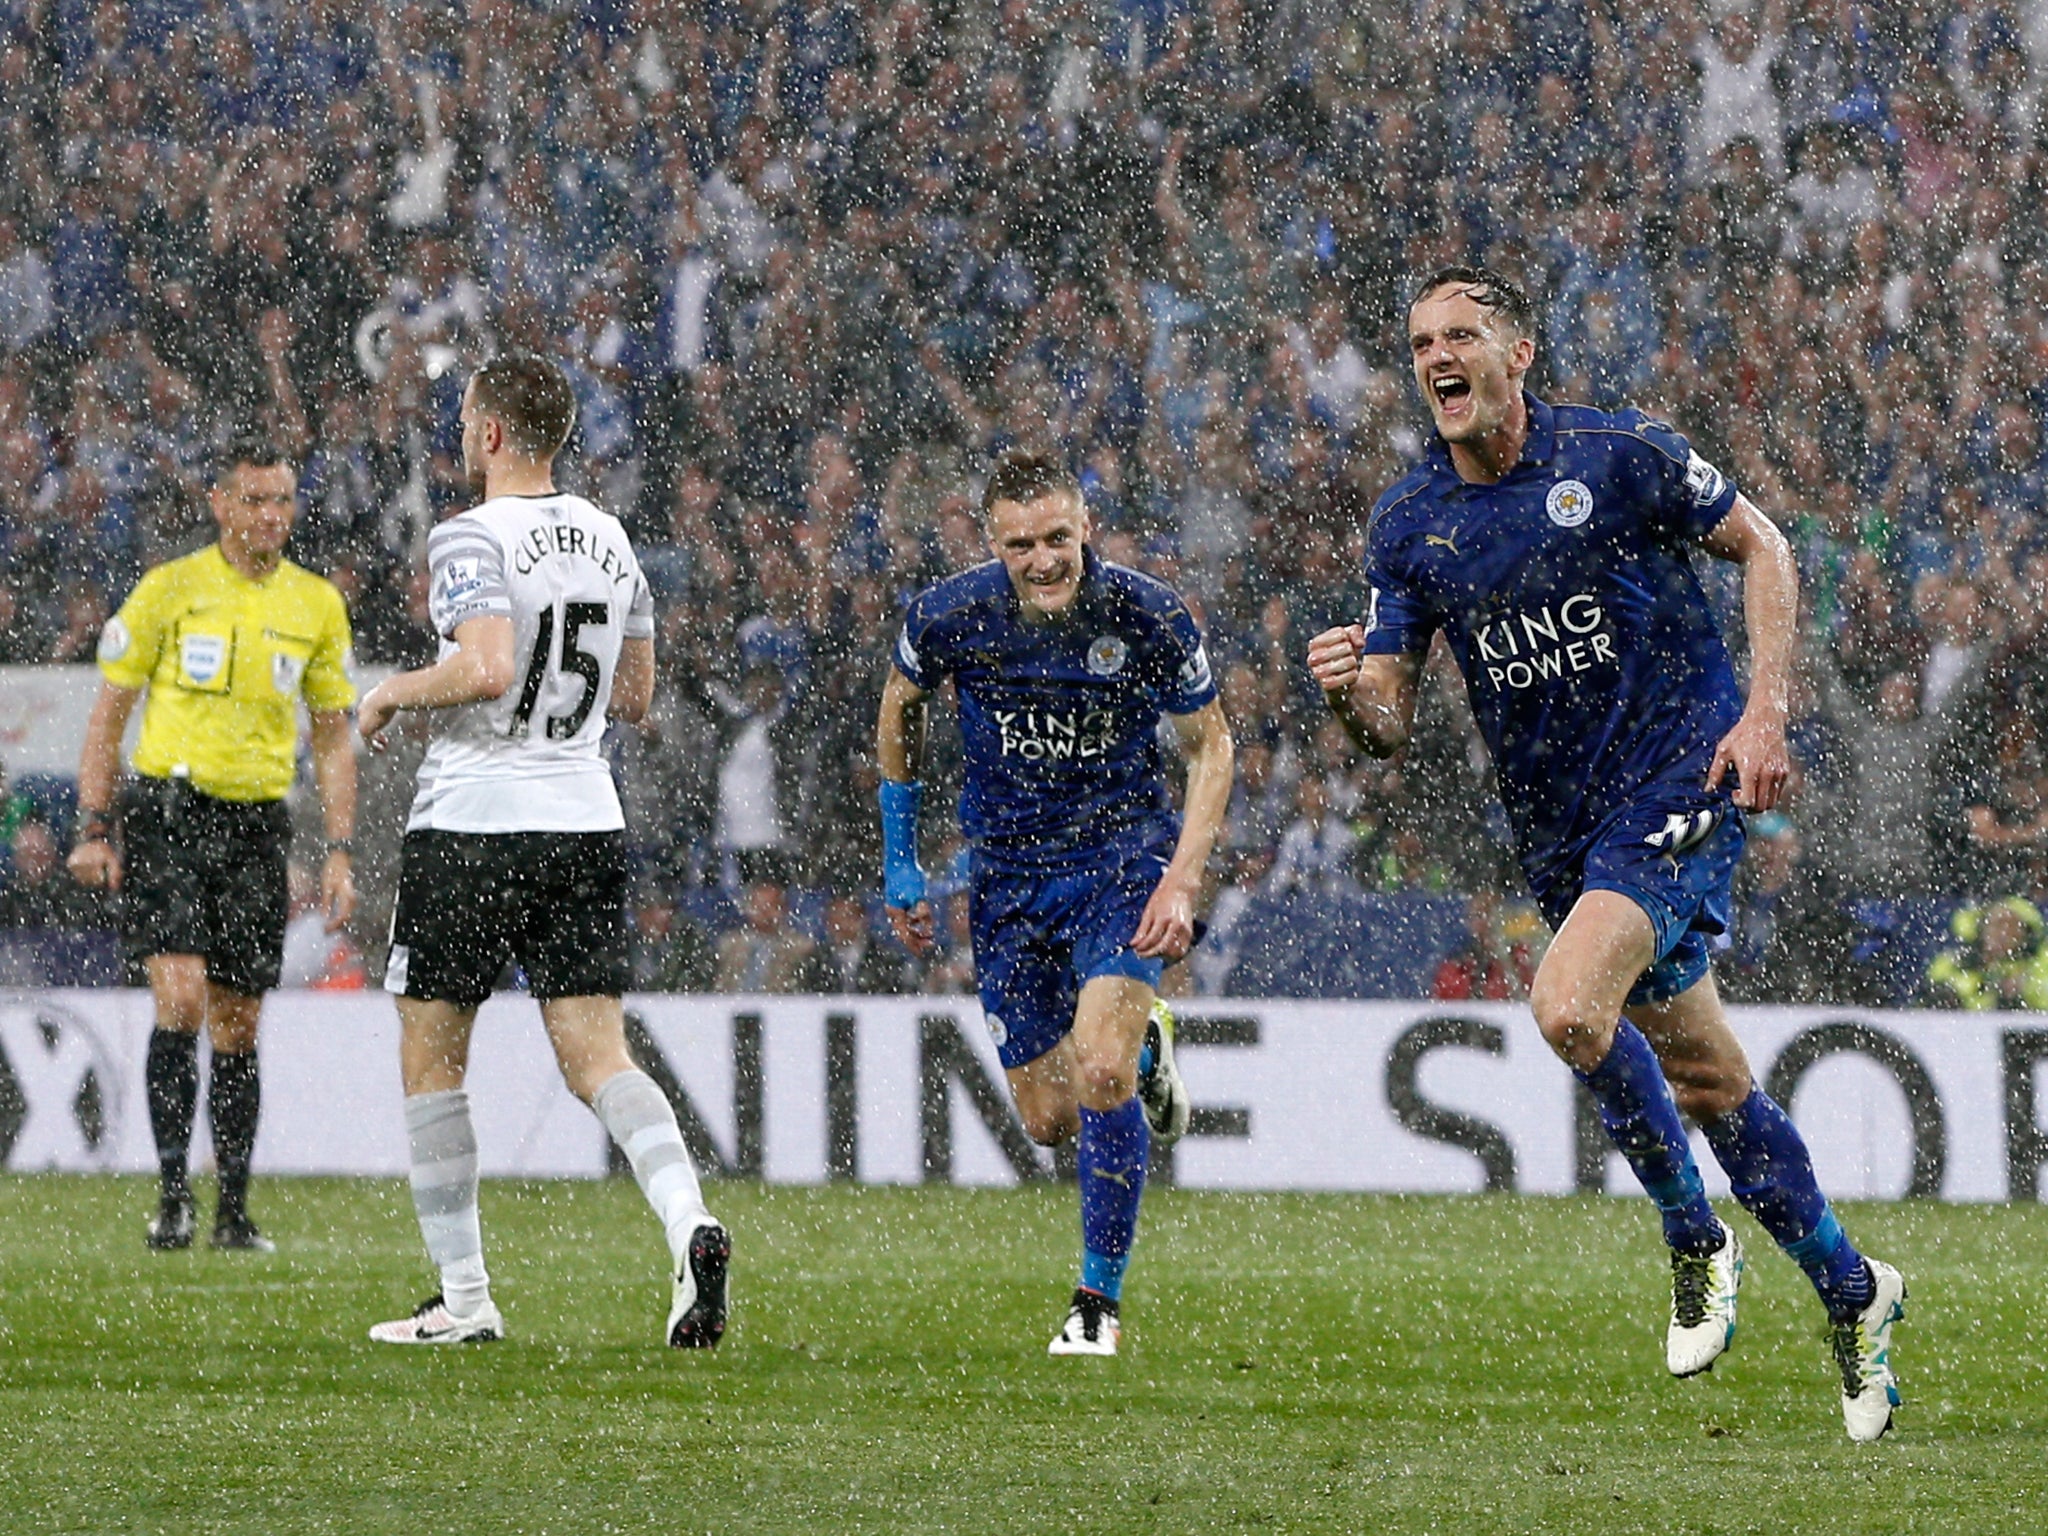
(345, 845)
(93, 827)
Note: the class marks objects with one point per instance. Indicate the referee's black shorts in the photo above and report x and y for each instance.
(470, 902)
(202, 876)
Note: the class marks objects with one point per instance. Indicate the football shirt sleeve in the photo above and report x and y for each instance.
(1190, 684)
(133, 637)
(327, 686)
(1689, 495)
(466, 576)
(919, 653)
(639, 621)
(1397, 621)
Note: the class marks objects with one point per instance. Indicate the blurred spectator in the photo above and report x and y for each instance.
(1791, 940)
(1235, 877)
(854, 959)
(1488, 966)
(1602, 331)
(765, 953)
(2005, 819)
(813, 265)
(28, 297)
(39, 894)
(1318, 850)
(671, 952)
(14, 808)
(1881, 820)
(1257, 817)
(2000, 959)
(1737, 95)
(755, 776)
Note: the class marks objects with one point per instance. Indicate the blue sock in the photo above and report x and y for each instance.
(1642, 1121)
(1771, 1174)
(1145, 1061)
(1113, 1151)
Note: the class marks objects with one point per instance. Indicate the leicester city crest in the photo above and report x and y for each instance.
(1569, 503)
(1106, 656)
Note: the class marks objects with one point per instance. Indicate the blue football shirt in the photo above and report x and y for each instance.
(1595, 666)
(1059, 720)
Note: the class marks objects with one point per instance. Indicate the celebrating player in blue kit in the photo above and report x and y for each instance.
(1551, 546)
(1083, 884)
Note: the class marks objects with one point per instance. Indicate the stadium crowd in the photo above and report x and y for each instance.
(812, 264)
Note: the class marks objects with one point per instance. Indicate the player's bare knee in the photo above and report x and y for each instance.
(181, 1008)
(1107, 1084)
(1578, 1033)
(231, 1036)
(186, 1018)
(231, 1020)
(1553, 1008)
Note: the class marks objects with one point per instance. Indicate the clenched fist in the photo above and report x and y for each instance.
(1333, 657)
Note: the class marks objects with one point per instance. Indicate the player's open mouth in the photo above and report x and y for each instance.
(1449, 389)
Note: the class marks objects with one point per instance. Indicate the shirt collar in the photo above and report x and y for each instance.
(1542, 444)
(1088, 597)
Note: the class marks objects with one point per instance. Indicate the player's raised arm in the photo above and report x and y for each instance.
(899, 749)
(1373, 697)
(1755, 751)
(1166, 928)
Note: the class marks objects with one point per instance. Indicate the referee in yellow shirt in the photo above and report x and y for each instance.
(226, 642)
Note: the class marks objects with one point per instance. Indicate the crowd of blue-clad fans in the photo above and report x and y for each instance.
(812, 262)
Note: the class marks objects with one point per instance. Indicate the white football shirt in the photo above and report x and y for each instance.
(532, 760)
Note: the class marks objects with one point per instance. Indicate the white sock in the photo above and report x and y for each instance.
(443, 1143)
(640, 1119)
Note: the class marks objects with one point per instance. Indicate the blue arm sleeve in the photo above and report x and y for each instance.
(902, 877)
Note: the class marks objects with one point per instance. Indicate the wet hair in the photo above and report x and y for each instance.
(1023, 476)
(532, 400)
(1500, 296)
(254, 449)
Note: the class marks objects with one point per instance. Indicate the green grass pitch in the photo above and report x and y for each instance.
(1292, 1363)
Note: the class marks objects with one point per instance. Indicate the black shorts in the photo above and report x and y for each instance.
(202, 876)
(469, 902)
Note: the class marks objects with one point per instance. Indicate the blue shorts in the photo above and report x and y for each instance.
(1039, 938)
(1674, 859)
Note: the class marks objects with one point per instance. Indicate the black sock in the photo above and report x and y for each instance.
(233, 1096)
(172, 1076)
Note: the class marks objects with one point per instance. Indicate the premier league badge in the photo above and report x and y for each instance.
(1569, 503)
(1106, 656)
